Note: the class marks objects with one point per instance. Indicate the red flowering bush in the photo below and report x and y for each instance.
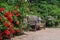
(11, 18)
(9, 21)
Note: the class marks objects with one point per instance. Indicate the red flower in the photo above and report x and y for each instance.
(12, 30)
(17, 22)
(17, 14)
(10, 19)
(7, 14)
(0, 18)
(18, 30)
(6, 24)
(7, 32)
(2, 9)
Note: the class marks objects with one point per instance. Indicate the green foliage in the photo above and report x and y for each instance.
(45, 8)
(42, 8)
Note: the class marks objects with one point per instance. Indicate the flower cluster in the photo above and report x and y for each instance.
(10, 23)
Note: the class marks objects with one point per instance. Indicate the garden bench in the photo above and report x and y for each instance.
(35, 22)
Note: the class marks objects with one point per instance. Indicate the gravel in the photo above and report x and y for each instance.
(47, 34)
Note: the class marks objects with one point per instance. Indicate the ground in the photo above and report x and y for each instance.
(47, 34)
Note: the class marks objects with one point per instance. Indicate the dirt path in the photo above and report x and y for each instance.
(47, 34)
